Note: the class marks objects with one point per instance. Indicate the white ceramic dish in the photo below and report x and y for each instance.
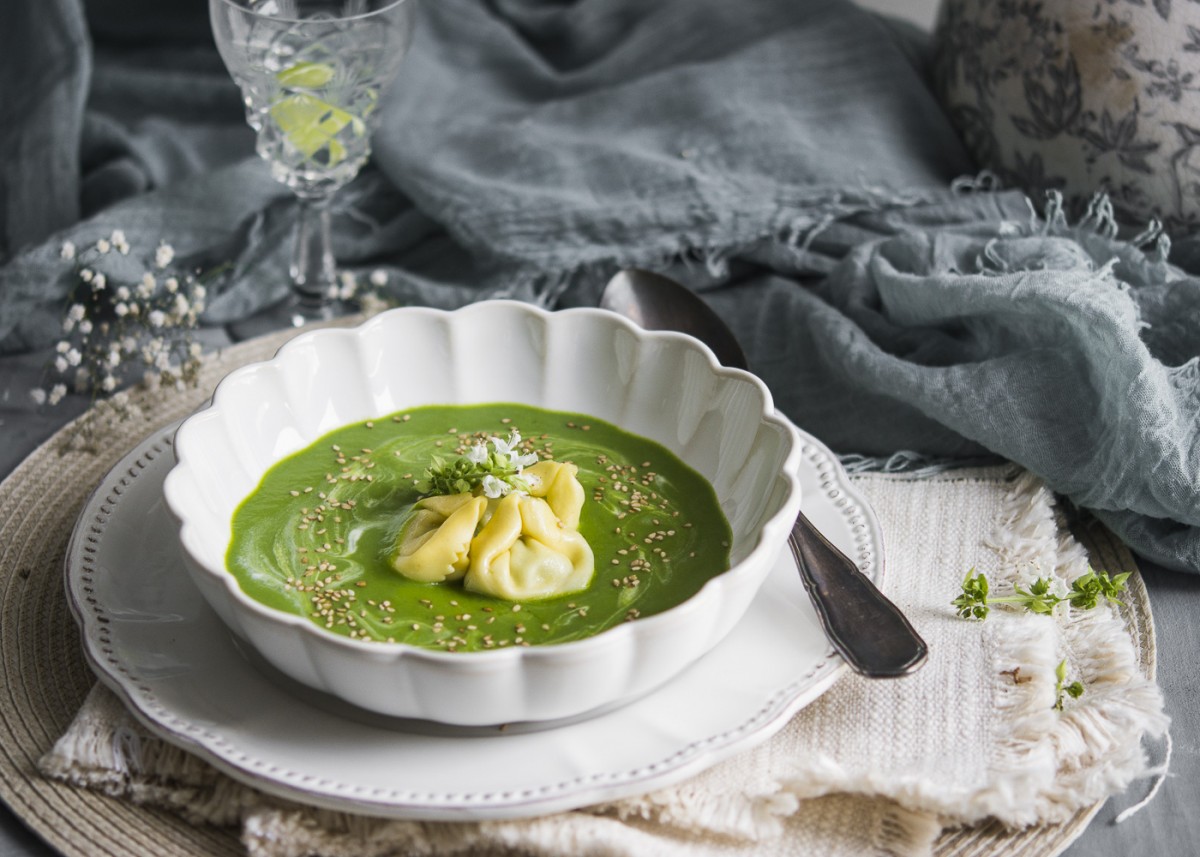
(152, 639)
(664, 386)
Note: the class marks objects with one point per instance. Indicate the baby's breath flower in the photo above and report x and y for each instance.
(379, 277)
(38, 395)
(146, 322)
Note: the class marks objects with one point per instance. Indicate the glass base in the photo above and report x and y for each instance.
(293, 311)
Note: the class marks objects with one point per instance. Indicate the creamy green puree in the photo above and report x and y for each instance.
(314, 537)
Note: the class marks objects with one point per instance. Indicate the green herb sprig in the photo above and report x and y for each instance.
(1086, 592)
(1063, 690)
(493, 472)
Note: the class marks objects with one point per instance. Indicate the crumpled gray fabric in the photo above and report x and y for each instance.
(1052, 345)
(786, 160)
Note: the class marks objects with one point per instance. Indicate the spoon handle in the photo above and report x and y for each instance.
(866, 629)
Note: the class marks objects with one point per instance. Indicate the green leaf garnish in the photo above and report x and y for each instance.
(492, 472)
(1063, 690)
(1086, 592)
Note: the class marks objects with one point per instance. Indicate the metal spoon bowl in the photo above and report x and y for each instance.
(866, 628)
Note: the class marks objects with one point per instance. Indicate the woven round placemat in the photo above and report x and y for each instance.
(45, 676)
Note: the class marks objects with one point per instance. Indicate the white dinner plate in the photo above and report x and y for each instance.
(151, 638)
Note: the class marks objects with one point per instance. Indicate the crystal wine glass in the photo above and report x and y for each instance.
(311, 73)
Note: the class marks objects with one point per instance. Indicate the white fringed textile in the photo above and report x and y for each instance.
(870, 768)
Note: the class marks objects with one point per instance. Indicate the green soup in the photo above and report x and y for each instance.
(314, 537)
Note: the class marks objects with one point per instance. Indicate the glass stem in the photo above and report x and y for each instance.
(314, 274)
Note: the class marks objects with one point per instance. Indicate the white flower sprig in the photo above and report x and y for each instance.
(494, 472)
(113, 331)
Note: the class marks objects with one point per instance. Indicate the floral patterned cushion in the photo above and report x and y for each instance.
(1080, 97)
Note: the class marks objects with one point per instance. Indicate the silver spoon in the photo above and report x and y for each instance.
(867, 629)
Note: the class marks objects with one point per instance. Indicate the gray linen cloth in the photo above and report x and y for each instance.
(787, 160)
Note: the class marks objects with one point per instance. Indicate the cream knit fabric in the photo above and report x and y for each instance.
(872, 767)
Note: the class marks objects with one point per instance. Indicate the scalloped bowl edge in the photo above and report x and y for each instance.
(536, 683)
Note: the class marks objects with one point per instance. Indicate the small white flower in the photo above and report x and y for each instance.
(114, 359)
(108, 384)
(195, 350)
(68, 324)
(76, 312)
(129, 345)
(60, 364)
(123, 293)
(74, 357)
(103, 246)
(505, 447)
(121, 309)
(199, 292)
(477, 454)
(493, 487)
(86, 274)
(118, 241)
(157, 318)
(38, 395)
(151, 380)
(62, 347)
(372, 305)
(170, 283)
(162, 361)
(527, 460)
(120, 399)
(85, 327)
(57, 392)
(163, 255)
(99, 282)
(148, 280)
(68, 250)
(379, 277)
(135, 308)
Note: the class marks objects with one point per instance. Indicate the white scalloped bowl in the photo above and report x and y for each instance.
(663, 386)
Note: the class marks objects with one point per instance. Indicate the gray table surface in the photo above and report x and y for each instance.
(1168, 827)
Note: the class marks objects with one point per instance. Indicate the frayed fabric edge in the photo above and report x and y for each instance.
(1051, 765)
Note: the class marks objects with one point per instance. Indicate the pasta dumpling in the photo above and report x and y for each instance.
(434, 543)
(521, 546)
